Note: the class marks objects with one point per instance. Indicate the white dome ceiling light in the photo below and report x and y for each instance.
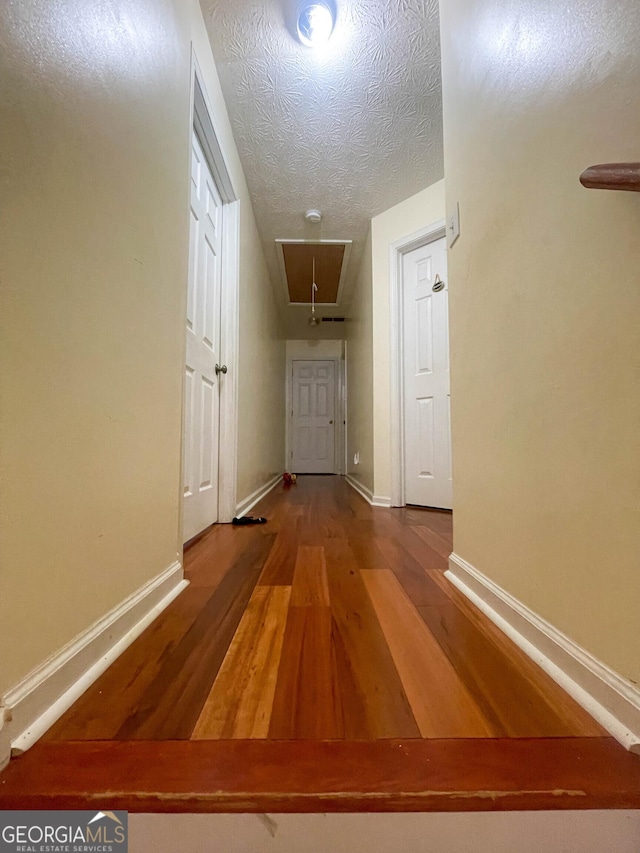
(315, 23)
(313, 215)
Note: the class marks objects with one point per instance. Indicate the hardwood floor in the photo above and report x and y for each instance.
(331, 637)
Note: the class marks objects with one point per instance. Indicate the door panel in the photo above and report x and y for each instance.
(313, 418)
(304, 399)
(427, 429)
(211, 320)
(424, 337)
(187, 449)
(202, 387)
(207, 460)
(424, 421)
(322, 402)
(193, 254)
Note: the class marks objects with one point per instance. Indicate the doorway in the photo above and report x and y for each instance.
(210, 379)
(313, 417)
(204, 368)
(421, 430)
(315, 396)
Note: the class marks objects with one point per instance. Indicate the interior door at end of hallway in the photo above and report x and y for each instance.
(313, 418)
(427, 430)
(202, 385)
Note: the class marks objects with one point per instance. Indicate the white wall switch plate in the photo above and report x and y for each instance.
(453, 225)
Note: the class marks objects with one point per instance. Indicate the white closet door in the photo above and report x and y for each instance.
(313, 419)
(426, 377)
(202, 388)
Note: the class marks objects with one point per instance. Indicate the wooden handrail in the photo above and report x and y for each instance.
(612, 176)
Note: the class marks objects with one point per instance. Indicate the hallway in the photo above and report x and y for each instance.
(324, 650)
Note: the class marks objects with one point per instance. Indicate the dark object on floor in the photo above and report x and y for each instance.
(289, 479)
(249, 519)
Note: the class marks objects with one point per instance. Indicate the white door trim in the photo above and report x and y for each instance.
(203, 120)
(340, 408)
(397, 250)
(344, 397)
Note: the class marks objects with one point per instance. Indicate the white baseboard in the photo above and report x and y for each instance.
(381, 500)
(363, 491)
(367, 494)
(603, 693)
(255, 497)
(34, 705)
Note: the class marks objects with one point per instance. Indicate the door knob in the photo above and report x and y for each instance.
(222, 369)
(330, 422)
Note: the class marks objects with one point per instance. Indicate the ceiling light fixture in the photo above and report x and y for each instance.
(313, 320)
(315, 23)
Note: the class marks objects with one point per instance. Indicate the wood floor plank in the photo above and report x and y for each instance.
(320, 776)
(366, 651)
(281, 562)
(241, 699)
(421, 552)
(207, 562)
(279, 515)
(322, 520)
(271, 502)
(366, 551)
(435, 541)
(421, 588)
(510, 700)
(310, 578)
(307, 701)
(438, 520)
(100, 712)
(172, 703)
(359, 507)
(356, 715)
(550, 694)
(440, 701)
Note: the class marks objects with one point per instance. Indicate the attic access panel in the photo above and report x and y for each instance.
(296, 266)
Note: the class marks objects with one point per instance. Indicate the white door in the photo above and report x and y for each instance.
(426, 377)
(313, 417)
(202, 385)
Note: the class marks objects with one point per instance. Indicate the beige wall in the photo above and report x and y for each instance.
(419, 211)
(360, 374)
(261, 402)
(315, 349)
(545, 310)
(93, 254)
(296, 323)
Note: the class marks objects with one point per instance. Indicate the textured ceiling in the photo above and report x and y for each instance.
(351, 129)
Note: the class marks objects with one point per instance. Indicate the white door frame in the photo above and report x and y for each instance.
(397, 250)
(340, 408)
(344, 397)
(203, 120)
